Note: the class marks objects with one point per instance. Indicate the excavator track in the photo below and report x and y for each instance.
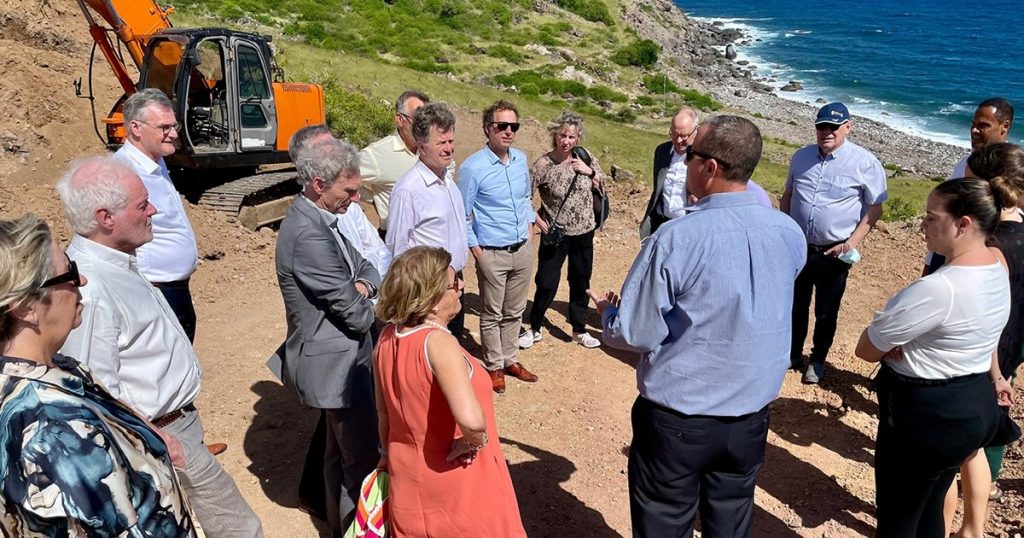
(256, 201)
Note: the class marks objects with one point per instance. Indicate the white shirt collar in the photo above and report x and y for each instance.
(105, 254)
(428, 175)
(144, 162)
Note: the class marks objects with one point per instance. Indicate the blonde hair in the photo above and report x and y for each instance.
(25, 263)
(415, 283)
(566, 119)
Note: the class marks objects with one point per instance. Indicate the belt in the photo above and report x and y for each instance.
(175, 284)
(169, 418)
(920, 381)
(819, 249)
(507, 248)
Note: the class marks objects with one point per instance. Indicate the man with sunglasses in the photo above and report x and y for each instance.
(834, 191)
(130, 337)
(668, 195)
(384, 161)
(169, 260)
(495, 186)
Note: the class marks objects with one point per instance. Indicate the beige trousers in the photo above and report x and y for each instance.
(504, 280)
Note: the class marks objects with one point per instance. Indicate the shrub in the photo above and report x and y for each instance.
(591, 10)
(644, 100)
(529, 90)
(897, 208)
(660, 83)
(353, 116)
(506, 53)
(643, 53)
(604, 93)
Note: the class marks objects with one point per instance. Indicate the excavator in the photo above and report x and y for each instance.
(229, 95)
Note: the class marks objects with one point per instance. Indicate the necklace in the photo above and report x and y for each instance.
(436, 325)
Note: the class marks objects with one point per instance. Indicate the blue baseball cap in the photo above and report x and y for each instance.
(834, 113)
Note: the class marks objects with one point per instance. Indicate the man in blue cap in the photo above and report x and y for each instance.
(834, 191)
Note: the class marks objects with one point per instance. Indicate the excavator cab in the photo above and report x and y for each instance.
(220, 84)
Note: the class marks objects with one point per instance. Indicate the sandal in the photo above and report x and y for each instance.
(995, 493)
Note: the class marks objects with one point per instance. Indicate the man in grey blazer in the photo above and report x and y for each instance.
(327, 288)
(668, 194)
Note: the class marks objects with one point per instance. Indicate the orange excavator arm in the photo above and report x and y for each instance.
(133, 21)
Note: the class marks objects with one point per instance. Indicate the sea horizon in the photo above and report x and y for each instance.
(887, 62)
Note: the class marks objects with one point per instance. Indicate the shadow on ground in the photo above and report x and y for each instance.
(546, 508)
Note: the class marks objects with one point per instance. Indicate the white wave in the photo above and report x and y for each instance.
(796, 33)
(953, 108)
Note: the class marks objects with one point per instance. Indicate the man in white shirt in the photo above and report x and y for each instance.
(668, 195)
(990, 125)
(132, 340)
(426, 205)
(169, 260)
(353, 223)
(384, 161)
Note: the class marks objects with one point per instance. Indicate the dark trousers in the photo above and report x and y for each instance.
(457, 325)
(825, 276)
(179, 297)
(681, 463)
(579, 249)
(349, 455)
(925, 432)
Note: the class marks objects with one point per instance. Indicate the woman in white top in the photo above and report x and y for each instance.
(936, 339)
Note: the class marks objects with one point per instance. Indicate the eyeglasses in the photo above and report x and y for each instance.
(406, 116)
(165, 129)
(502, 125)
(676, 133)
(70, 276)
(690, 152)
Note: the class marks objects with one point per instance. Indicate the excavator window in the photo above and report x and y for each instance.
(162, 67)
(252, 86)
(206, 113)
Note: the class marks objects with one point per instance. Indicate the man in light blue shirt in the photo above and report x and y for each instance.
(834, 191)
(707, 302)
(495, 186)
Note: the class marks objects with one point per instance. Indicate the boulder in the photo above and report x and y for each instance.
(792, 86)
(741, 93)
(621, 174)
(730, 52)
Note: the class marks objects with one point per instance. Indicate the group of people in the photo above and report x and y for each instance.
(99, 376)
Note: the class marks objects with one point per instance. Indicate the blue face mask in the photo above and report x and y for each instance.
(850, 256)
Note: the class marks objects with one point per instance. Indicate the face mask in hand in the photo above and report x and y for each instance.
(850, 256)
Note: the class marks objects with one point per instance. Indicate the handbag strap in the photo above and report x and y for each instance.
(565, 198)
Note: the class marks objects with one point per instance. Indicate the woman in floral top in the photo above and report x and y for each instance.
(73, 460)
(566, 186)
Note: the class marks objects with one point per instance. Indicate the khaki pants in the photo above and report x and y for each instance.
(504, 280)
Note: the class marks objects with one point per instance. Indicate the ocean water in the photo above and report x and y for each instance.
(919, 66)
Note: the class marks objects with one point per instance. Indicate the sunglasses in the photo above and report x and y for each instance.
(690, 152)
(70, 276)
(502, 125)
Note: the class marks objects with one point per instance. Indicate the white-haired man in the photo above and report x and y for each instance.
(132, 340)
(169, 260)
(327, 287)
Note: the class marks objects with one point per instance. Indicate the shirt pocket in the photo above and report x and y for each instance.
(841, 187)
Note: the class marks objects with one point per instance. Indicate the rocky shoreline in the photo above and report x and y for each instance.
(695, 50)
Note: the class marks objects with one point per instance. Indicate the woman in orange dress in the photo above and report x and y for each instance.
(436, 413)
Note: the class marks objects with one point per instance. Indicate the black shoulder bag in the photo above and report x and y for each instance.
(555, 234)
(602, 208)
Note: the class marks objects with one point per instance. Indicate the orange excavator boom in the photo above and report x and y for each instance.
(133, 21)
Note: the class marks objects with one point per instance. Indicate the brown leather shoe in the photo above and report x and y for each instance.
(519, 372)
(216, 448)
(497, 380)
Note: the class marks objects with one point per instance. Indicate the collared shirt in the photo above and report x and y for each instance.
(960, 170)
(77, 461)
(333, 222)
(497, 198)
(831, 194)
(708, 302)
(172, 255)
(129, 336)
(354, 225)
(673, 192)
(428, 210)
(381, 164)
(760, 195)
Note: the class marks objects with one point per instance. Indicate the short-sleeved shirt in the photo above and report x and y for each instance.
(1009, 238)
(831, 194)
(553, 181)
(78, 462)
(381, 164)
(960, 170)
(948, 322)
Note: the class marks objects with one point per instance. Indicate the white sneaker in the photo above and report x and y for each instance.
(585, 340)
(526, 339)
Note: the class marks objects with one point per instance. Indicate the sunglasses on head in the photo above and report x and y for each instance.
(502, 125)
(70, 276)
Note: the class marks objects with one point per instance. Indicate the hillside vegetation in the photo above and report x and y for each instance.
(548, 56)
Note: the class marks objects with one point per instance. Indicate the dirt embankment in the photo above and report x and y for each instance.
(564, 436)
